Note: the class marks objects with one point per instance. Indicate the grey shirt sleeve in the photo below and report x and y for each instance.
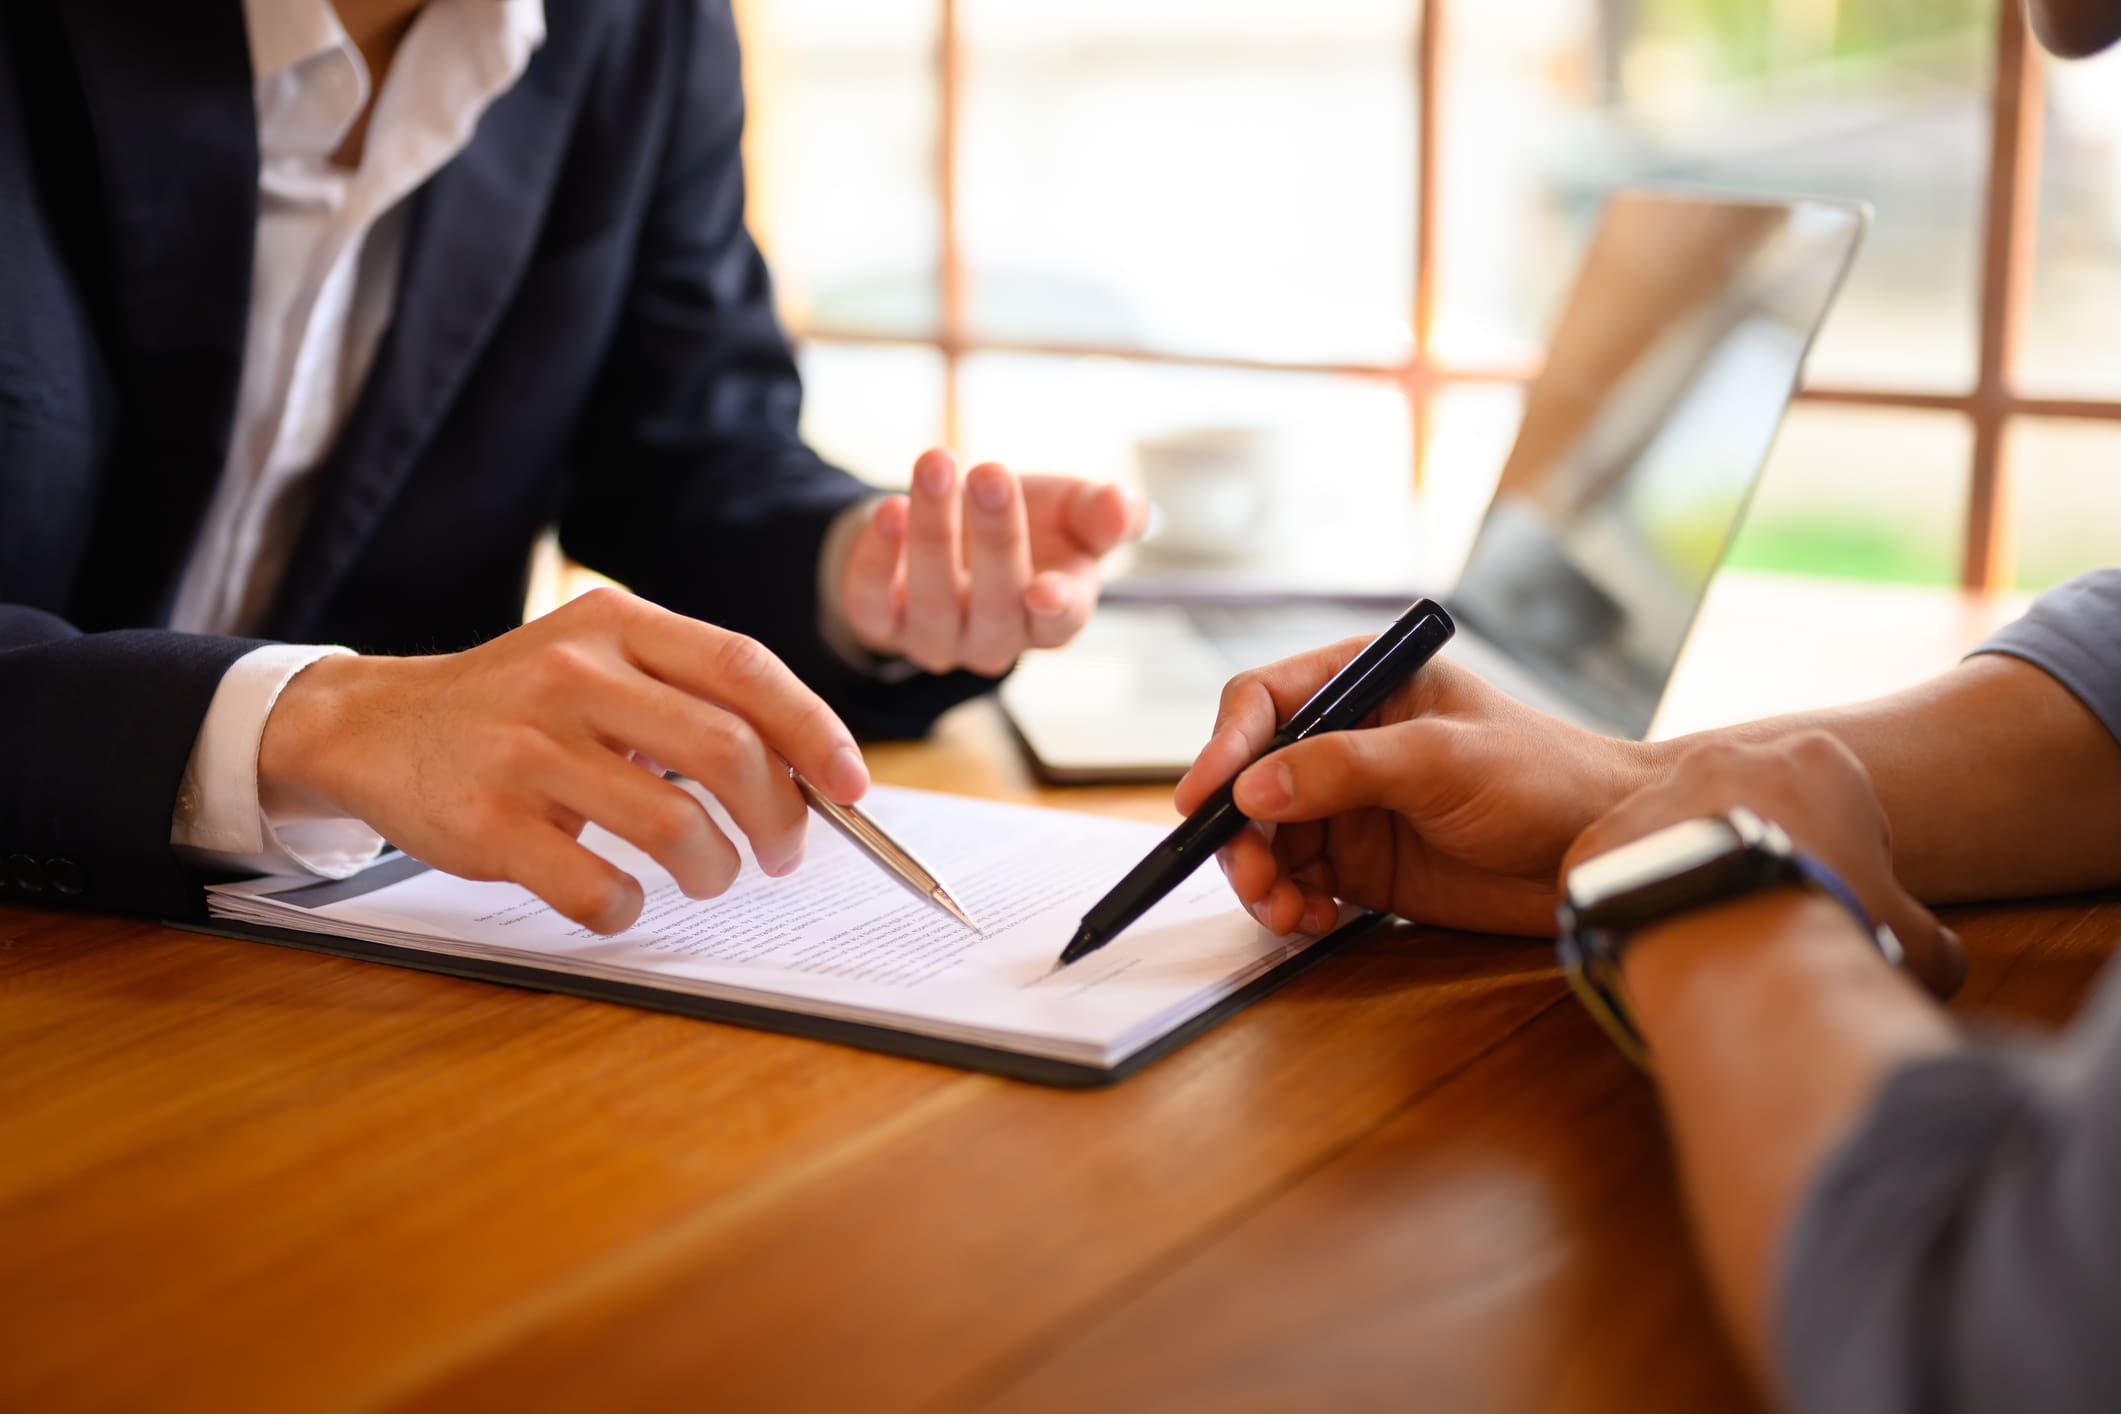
(1962, 1249)
(2073, 633)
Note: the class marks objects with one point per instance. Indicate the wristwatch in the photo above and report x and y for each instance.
(1677, 869)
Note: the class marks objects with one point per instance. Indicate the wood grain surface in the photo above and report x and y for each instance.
(234, 1176)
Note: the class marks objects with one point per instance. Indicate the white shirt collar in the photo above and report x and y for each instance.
(283, 33)
(312, 83)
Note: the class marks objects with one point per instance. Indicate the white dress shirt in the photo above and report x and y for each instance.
(330, 244)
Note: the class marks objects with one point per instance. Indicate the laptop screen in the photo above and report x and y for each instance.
(1644, 435)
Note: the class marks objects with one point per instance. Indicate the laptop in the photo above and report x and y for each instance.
(1642, 439)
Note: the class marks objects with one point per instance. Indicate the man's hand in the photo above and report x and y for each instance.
(489, 762)
(1820, 794)
(1772, 1023)
(969, 577)
(1453, 805)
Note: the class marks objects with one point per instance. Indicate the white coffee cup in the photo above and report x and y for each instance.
(1215, 490)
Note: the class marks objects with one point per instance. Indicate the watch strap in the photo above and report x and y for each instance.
(1590, 955)
(1815, 875)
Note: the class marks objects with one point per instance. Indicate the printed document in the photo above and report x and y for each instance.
(841, 939)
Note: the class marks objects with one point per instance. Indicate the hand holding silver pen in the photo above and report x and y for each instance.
(889, 855)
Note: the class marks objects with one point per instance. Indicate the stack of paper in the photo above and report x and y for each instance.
(839, 940)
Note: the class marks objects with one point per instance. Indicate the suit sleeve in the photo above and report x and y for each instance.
(692, 485)
(98, 728)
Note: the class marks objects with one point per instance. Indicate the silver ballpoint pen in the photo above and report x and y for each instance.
(894, 858)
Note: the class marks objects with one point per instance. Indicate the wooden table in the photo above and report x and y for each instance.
(234, 1176)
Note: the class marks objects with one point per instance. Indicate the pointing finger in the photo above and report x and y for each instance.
(1245, 722)
(743, 676)
(935, 592)
(998, 556)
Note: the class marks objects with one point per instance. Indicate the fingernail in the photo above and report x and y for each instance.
(1268, 789)
(990, 491)
(782, 868)
(932, 477)
(1260, 912)
(846, 776)
(619, 913)
(1046, 599)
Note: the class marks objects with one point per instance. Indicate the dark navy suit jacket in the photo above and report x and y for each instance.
(584, 338)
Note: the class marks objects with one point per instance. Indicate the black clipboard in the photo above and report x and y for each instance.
(994, 1060)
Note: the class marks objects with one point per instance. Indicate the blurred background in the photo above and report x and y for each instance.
(1046, 232)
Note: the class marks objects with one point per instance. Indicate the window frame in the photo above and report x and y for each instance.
(2009, 215)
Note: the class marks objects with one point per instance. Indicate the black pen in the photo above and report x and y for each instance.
(1350, 695)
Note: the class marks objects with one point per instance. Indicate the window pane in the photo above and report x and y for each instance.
(872, 409)
(2066, 497)
(1860, 493)
(840, 154)
(1471, 429)
(1222, 176)
(2070, 344)
(1854, 493)
(1553, 103)
(1340, 487)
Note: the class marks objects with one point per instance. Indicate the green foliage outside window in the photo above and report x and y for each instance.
(1749, 38)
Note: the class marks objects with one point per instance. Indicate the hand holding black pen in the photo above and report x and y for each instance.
(1343, 702)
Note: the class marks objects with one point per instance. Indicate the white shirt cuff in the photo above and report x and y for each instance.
(220, 821)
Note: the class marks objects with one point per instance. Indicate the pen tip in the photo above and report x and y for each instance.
(1084, 941)
(949, 906)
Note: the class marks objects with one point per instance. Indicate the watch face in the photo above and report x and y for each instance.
(1673, 852)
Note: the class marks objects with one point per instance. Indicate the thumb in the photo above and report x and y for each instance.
(1391, 766)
